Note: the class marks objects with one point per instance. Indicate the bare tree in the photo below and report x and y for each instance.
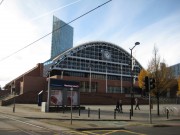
(162, 75)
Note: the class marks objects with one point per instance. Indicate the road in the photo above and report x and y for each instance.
(101, 132)
(169, 130)
(134, 131)
(28, 120)
(14, 125)
(11, 125)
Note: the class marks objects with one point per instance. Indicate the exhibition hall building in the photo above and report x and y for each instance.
(105, 72)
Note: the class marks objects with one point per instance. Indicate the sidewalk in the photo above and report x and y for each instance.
(106, 119)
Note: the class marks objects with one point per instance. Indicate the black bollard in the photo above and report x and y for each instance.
(130, 113)
(63, 108)
(79, 110)
(88, 112)
(167, 114)
(114, 114)
(13, 109)
(14, 105)
(57, 108)
(99, 113)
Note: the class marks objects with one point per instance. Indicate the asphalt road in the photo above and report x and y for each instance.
(155, 130)
(129, 131)
(101, 132)
(11, 125)
(28, 120)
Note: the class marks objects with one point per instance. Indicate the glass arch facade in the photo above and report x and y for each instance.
(104, 60)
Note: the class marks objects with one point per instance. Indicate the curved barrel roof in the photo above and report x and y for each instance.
(98, 56)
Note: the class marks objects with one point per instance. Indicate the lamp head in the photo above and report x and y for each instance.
(137, 43)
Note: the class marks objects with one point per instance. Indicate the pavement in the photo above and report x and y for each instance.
(99, 117)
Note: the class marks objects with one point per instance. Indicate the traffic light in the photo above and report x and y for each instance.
(151, 83)
(146, 83)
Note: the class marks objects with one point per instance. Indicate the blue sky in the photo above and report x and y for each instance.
(122, 22)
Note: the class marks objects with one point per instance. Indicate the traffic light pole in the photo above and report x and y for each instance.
(149, 88)
(150, 115)
(149, 82)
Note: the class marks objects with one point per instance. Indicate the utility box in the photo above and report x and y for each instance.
(44, 107)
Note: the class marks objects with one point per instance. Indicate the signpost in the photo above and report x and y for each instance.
(149, 84)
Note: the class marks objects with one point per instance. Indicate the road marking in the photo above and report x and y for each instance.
(109, 132)
(112, 132)
(88, 132)
(27, 132)
(133, 132)
(73, 132)
(23, 122)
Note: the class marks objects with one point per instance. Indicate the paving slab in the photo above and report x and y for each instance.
(106, 120)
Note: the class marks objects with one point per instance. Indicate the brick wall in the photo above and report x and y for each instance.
(32, 83)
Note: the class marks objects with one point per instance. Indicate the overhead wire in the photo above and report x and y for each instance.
(54, 10)
(54, 30)
(1, 2)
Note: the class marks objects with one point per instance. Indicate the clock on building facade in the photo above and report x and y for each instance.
(106, 55)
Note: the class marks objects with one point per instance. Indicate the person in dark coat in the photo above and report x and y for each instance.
(120, 106)
(137, 103)
(117, 106)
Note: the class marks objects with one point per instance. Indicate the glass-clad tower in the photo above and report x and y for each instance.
(62, 37)
(176, 70)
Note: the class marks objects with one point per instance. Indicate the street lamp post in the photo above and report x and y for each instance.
(71, 103)
(121, 79)
(132, 92)
(49, 92)
(89, 78)
(106, 80)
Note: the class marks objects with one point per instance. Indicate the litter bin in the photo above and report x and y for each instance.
(40, 96)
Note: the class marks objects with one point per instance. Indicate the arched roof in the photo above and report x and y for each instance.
(98, 55)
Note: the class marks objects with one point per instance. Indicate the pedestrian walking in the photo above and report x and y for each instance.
(117, 106)
(120, 106)
(137, 103)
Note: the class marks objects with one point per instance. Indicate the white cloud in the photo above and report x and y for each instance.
(164, 34)
(116, 22)
(16, 32)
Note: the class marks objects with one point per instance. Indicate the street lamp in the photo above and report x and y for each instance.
(132, 92)
(90, 77)
(121, 78)
(71, 103)
(49, 91)
(106, 79)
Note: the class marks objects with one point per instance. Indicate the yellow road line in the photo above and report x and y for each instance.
(111, 131)
(132, 132)
(91, 132)
(94, 132)
(74, 132)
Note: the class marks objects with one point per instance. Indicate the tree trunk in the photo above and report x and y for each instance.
(158, 103)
